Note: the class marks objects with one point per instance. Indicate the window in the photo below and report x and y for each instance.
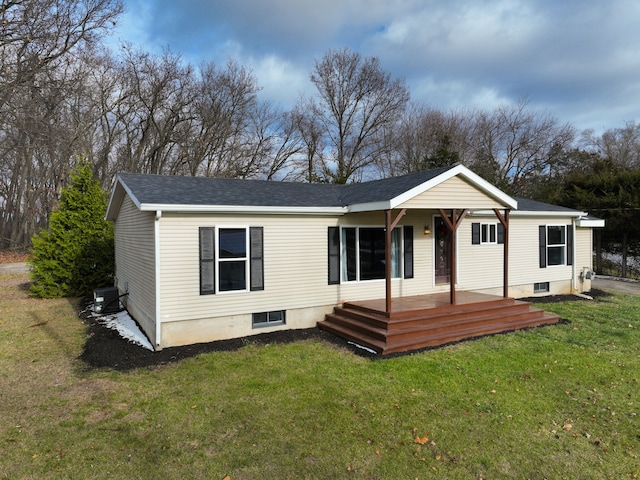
(541, 287)
(358, 253)
(487, 233)
(229, 257)
(267, 319)
(232, 259)
(556, 245)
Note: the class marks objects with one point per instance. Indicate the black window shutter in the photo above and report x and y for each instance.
(207, 260)
(408, 251)
(256, 258)
(542, 235)
(334, 255)
(475, 234)
(569, 245)
(500, 233)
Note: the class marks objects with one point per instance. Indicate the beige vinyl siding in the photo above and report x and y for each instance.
(524, 259)
(295, 273)
(584, 257)
(584, 248)
(452, 193)
(135, 264)
(483, 264)
(295, 266)
(479, 266)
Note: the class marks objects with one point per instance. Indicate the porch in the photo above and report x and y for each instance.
(421, 321)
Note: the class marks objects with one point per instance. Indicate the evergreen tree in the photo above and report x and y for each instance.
(76, 254)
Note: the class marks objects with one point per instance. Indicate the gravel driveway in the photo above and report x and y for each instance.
(616, 285)
(21, 267)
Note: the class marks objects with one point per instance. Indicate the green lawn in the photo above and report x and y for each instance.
(554, 402)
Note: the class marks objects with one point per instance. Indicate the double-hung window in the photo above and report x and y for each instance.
(358, 253)
(556, 245)
(230, 259)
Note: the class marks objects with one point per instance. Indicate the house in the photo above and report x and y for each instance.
(203, 259)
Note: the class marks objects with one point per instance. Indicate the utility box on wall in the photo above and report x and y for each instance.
(106, 300)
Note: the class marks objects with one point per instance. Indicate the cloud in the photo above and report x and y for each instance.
(578, 58)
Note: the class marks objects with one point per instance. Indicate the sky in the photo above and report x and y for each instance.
(578, 60)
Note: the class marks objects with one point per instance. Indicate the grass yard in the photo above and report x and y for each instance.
(555, 402)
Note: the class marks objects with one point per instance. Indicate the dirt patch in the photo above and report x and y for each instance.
(13, 256)
(105, 348)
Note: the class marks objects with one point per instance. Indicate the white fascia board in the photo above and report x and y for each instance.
(247, 209)
(590, 222)
(116, 196)
(528, 213)
(369, 207)
(464, 172)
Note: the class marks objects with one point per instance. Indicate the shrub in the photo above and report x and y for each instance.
(76, 254)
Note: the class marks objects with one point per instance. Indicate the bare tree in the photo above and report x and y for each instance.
(427, 138)
(312, 135)
(357, 99)
(34, 34)
(41, 116)
(512, 144)
(621, 145)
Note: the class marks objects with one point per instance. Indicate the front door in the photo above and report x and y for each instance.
(442, 239)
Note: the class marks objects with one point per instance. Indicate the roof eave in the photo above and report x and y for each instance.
(247, 209)
(532, 213)
(461, 170)
(590, 222)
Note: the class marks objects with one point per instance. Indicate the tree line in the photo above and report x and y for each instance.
(65, 97)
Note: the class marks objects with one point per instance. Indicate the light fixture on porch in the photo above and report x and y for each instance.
(427, 230)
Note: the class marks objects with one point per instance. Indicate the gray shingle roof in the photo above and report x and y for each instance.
(526, 205)
(177, 190)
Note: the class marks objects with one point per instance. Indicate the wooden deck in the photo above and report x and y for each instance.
(430, 320)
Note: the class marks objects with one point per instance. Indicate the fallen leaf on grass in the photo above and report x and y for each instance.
(567, 427)
(420, 440)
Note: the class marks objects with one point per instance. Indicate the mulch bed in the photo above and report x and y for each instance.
(105, 348)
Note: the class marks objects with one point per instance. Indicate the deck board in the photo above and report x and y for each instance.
(430, 320)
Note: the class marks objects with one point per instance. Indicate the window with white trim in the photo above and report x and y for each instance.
(229, 257)
(232, 259)
(363, 253)
(488, 233)
(556, 245)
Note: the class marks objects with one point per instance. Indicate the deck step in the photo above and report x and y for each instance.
(430, 327)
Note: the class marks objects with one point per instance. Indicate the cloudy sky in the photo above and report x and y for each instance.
(576, 59)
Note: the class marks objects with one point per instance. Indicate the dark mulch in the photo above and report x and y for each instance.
(595, 294)
(105, 348)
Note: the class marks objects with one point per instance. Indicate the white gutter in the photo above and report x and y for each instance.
(249, 209)
(574, 271)
(530, 213)
(157, 279)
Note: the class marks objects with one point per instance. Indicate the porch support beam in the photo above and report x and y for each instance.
(389, 226)
(504, 220)
(452, 224)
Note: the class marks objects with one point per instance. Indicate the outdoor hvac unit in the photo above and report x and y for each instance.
(106, 300)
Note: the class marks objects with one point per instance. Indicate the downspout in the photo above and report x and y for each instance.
(574, 271)
(157, 279)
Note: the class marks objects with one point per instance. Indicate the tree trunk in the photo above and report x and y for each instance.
(625, 248)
